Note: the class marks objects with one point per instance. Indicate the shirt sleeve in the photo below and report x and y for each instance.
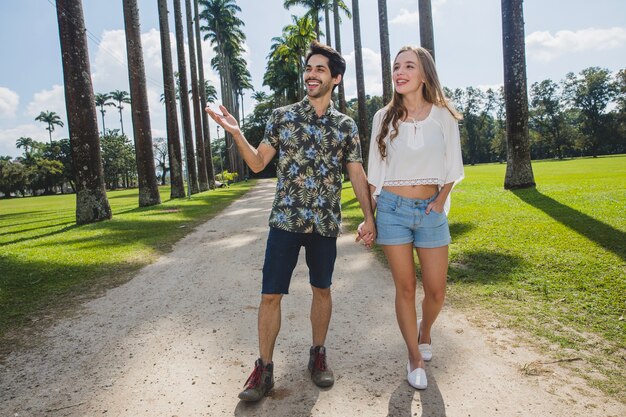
(454, 157)
(353, 144)
(375, 163)
(272, 136)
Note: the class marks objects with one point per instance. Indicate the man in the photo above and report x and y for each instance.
(312, 140)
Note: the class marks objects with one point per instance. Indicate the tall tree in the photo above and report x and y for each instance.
(224, 30)
(142, 132)
(51, 119)
(427, 34)
(102, 99)
(91, 201)
(184, 99)
(203, 182)
(121, 97)
(26, 143)
(360, 80)
(206, 133)
(591, 93)
(337, 23)
(327, 22)
(385, 55)
(315, 7)
(519, 171)
(171, 116)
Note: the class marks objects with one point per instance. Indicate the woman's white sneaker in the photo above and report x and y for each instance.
(416, 377)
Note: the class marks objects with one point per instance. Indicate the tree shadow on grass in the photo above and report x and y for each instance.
(458, 229)
(608, 237)
(483, 267)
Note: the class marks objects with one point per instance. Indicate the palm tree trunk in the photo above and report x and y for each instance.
(427, 37)
(341, 90)
(171, 115)
(203, 181)
(184, 98)
(360, 81)
(385, 56)
(519, 172)
(92, 204)
(142, 131)
(119, 108)
(327, 21)
(103, 127)
(208, 157)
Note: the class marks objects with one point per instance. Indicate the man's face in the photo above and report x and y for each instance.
(317, 78)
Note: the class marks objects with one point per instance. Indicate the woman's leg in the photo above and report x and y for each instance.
(434, 266)
(400, 259)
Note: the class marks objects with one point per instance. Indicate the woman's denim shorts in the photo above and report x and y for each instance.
(401, 220)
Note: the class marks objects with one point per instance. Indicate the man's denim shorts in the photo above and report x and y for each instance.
(281, 256)
(402, 220)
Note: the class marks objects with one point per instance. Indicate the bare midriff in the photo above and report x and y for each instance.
(421, 192)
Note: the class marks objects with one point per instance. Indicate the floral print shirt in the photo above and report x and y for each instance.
(311, 151)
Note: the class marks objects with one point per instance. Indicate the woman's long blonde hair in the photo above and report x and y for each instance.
(432, 90)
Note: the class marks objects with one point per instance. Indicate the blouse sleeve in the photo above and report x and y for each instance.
(454, 158)
(375, 163)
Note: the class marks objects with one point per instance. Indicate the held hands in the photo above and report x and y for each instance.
(226, 120)
(367, 233)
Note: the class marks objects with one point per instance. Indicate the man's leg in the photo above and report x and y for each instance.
(321, 310)
(321, 253)
(269, 325)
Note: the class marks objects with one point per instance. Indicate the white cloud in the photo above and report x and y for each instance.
(50, 100)
(9, 136)
(406, 18)
(544, 46)
(9, 100)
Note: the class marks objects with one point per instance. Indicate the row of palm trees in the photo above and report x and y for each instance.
(102, 100)
(218, 22)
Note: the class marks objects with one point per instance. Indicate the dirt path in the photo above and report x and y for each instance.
(180, 340)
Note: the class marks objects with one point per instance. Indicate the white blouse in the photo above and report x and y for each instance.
(424, 152)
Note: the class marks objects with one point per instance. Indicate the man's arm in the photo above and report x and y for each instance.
(367, 231)
(257, 159)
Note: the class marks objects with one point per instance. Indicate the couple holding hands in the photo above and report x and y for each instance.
(414, 161)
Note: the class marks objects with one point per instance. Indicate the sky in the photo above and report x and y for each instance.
(562, 36)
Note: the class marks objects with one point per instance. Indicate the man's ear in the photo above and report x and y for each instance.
(337, 79)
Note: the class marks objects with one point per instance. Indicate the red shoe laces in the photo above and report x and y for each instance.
(320, 361)
(255, 377)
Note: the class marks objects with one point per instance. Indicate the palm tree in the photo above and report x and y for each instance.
(142, 132)
(184, 100)
(427, 37)
(52, 119)
(314, 8)
(223, 29)
(205, 94)
(360, 80)
(298, 36)
(203, 182)
(91, 201)
(171, 116)
(102, 99)
(120, 97)
(385, 56)
(337, 21)
(519, 172)
(327, 22)
(26, 143)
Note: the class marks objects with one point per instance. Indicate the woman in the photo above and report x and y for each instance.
(415, 160)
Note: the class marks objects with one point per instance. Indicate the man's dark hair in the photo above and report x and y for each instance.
(336, 63)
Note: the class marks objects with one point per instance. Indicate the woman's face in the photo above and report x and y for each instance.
(407, 73)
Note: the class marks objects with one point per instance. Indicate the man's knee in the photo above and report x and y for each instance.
(271, 300)
(323, 293)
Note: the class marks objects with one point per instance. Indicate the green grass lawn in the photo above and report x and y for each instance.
(47, 263)
(550, 261)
